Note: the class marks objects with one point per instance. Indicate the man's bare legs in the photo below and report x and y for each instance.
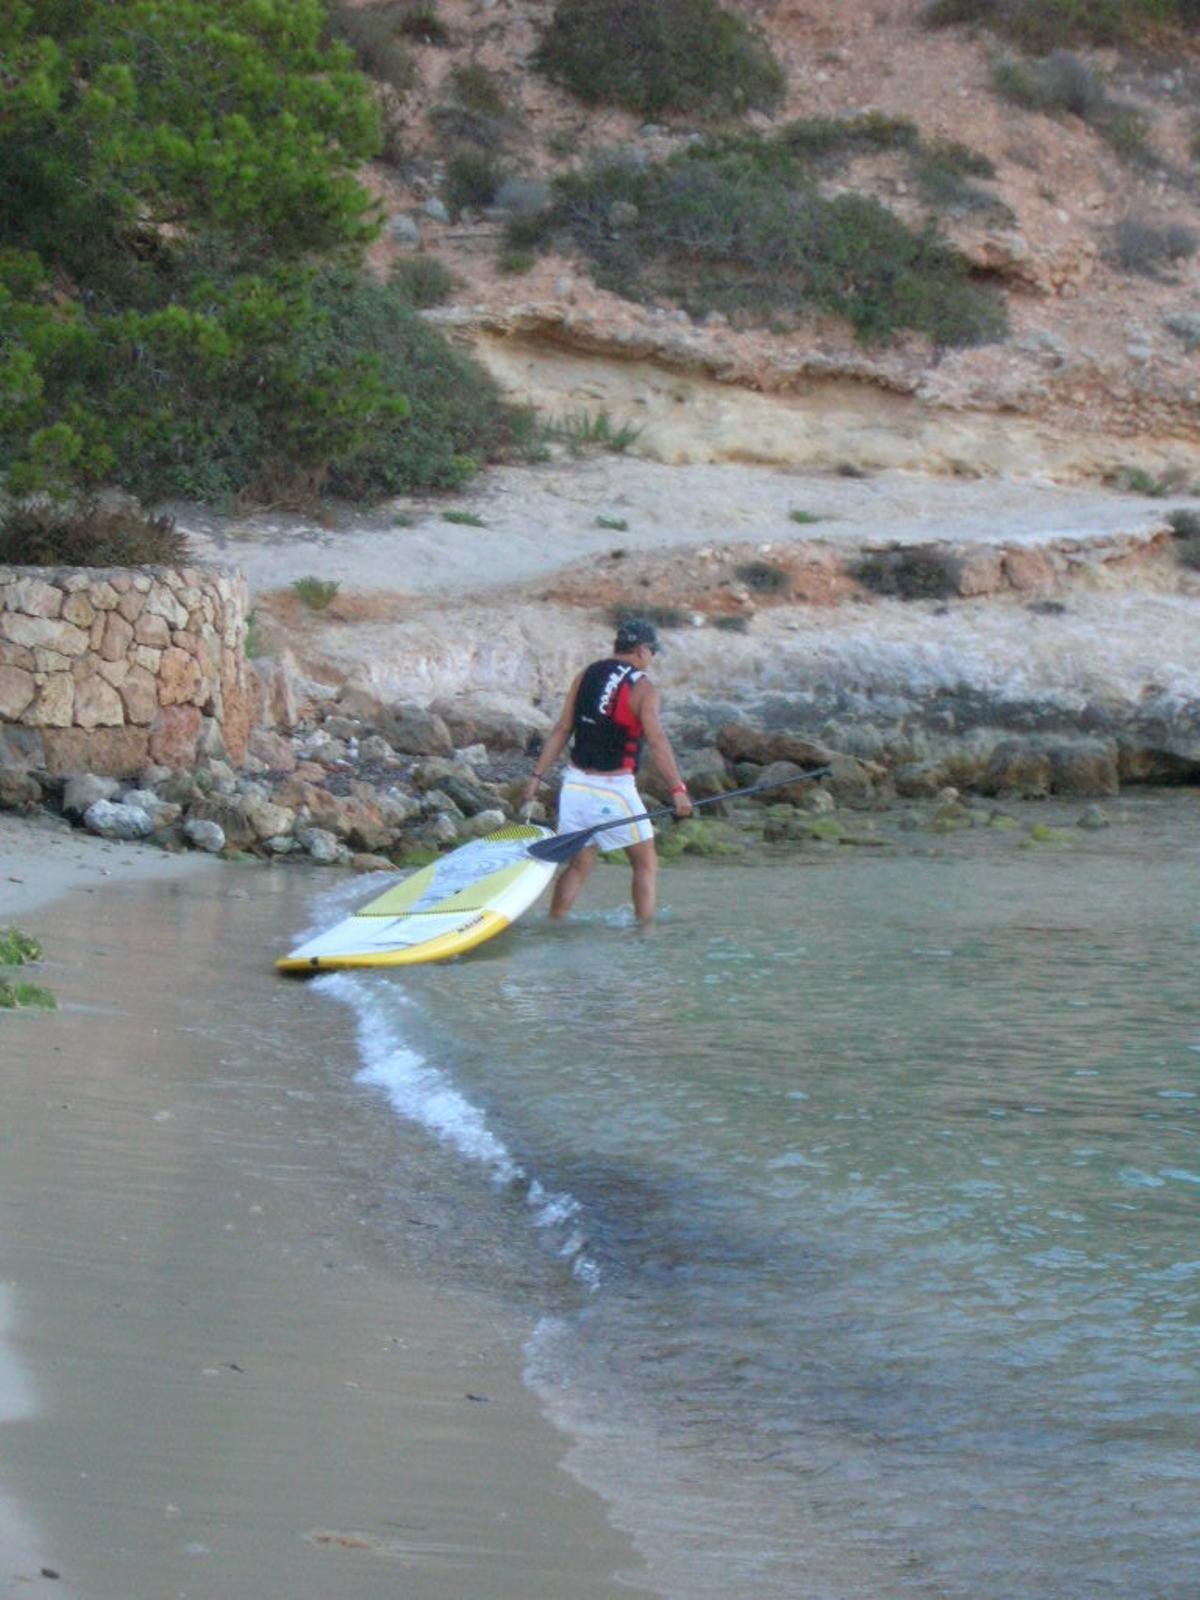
(570, 880)
(643, 858)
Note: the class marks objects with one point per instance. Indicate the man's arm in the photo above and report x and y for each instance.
(556, 743)
(645, 703)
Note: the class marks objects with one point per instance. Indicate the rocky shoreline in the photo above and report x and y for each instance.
(378, 787)
(1006, 641)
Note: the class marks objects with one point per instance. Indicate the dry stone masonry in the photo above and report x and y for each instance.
(105, 671)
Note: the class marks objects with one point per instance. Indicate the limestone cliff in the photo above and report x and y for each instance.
(1098, 374)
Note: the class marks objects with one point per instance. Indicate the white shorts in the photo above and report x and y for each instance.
(587, 798)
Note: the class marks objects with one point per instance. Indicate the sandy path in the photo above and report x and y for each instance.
(539, 519)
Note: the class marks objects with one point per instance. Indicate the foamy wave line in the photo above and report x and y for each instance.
(423, 1094)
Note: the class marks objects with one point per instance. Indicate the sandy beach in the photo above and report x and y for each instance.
(219, 1377)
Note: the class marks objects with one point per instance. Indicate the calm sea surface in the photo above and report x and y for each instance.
(874, 1180)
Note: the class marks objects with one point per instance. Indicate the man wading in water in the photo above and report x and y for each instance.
(611, 710)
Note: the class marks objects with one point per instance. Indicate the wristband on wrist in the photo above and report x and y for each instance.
(680, 788)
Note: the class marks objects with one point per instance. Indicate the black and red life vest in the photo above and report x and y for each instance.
(607, 736)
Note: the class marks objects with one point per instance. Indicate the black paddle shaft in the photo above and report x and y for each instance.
(562, 846)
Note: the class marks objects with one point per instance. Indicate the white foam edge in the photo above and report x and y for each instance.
(423, 1094)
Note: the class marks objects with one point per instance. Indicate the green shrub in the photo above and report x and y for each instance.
(18, 947)
(1187, 552)
(764, 577)
(1136, 245)
(739, 226)
(465, 519)
(473, 179)
(456, 417)
(14, 996)
(1059, 85)
(516, 263)
(317, 593)
(660, 616)
(421, 23)
(422, 281)
(1043, 25)
(594, 430)
(905, 572)
(253, 644)
(162, 204)
(943, 171)
(616, 524)
(733, 623)
(1137, 480)
(375, 34)
(824, 138)
(803, 517)
(689, 56)
(478, 90)
(1062, 84)
(1184, 522)
(45, 532)
(460, 128)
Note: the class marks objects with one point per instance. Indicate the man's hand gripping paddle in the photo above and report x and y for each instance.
(565, 845)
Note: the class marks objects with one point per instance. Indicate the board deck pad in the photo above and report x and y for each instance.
(448, 907)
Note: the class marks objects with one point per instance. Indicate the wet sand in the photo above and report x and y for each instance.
(220, 1378)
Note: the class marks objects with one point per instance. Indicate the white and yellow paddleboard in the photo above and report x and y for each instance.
(448, 907)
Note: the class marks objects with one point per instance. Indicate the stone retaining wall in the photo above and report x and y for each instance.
(108, 670)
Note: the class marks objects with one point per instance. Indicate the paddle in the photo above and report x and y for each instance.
(565, 845)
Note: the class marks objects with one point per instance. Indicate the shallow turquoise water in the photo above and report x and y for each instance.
(880, 1181)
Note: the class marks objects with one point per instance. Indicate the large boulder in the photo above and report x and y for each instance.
(739, 741)
(320, 845)
(1019, 768)
(395, 806)
(268, 820)
(468, 793)
(275, 693)
(483, 823)
(919, 780)
(1084, 769)
(202, 834)
(706, 774)
(414, 731)
(499, 727)
(84, 790)
(363, 825)
(376, 751)
(275, 752)
(228, 811)
(111, 820)
(786, 793)
(19, 790)
(162, 813)
(180, 788)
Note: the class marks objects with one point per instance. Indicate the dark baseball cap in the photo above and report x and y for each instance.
(634, 631)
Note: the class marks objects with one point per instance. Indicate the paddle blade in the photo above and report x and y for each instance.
(562, 846)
